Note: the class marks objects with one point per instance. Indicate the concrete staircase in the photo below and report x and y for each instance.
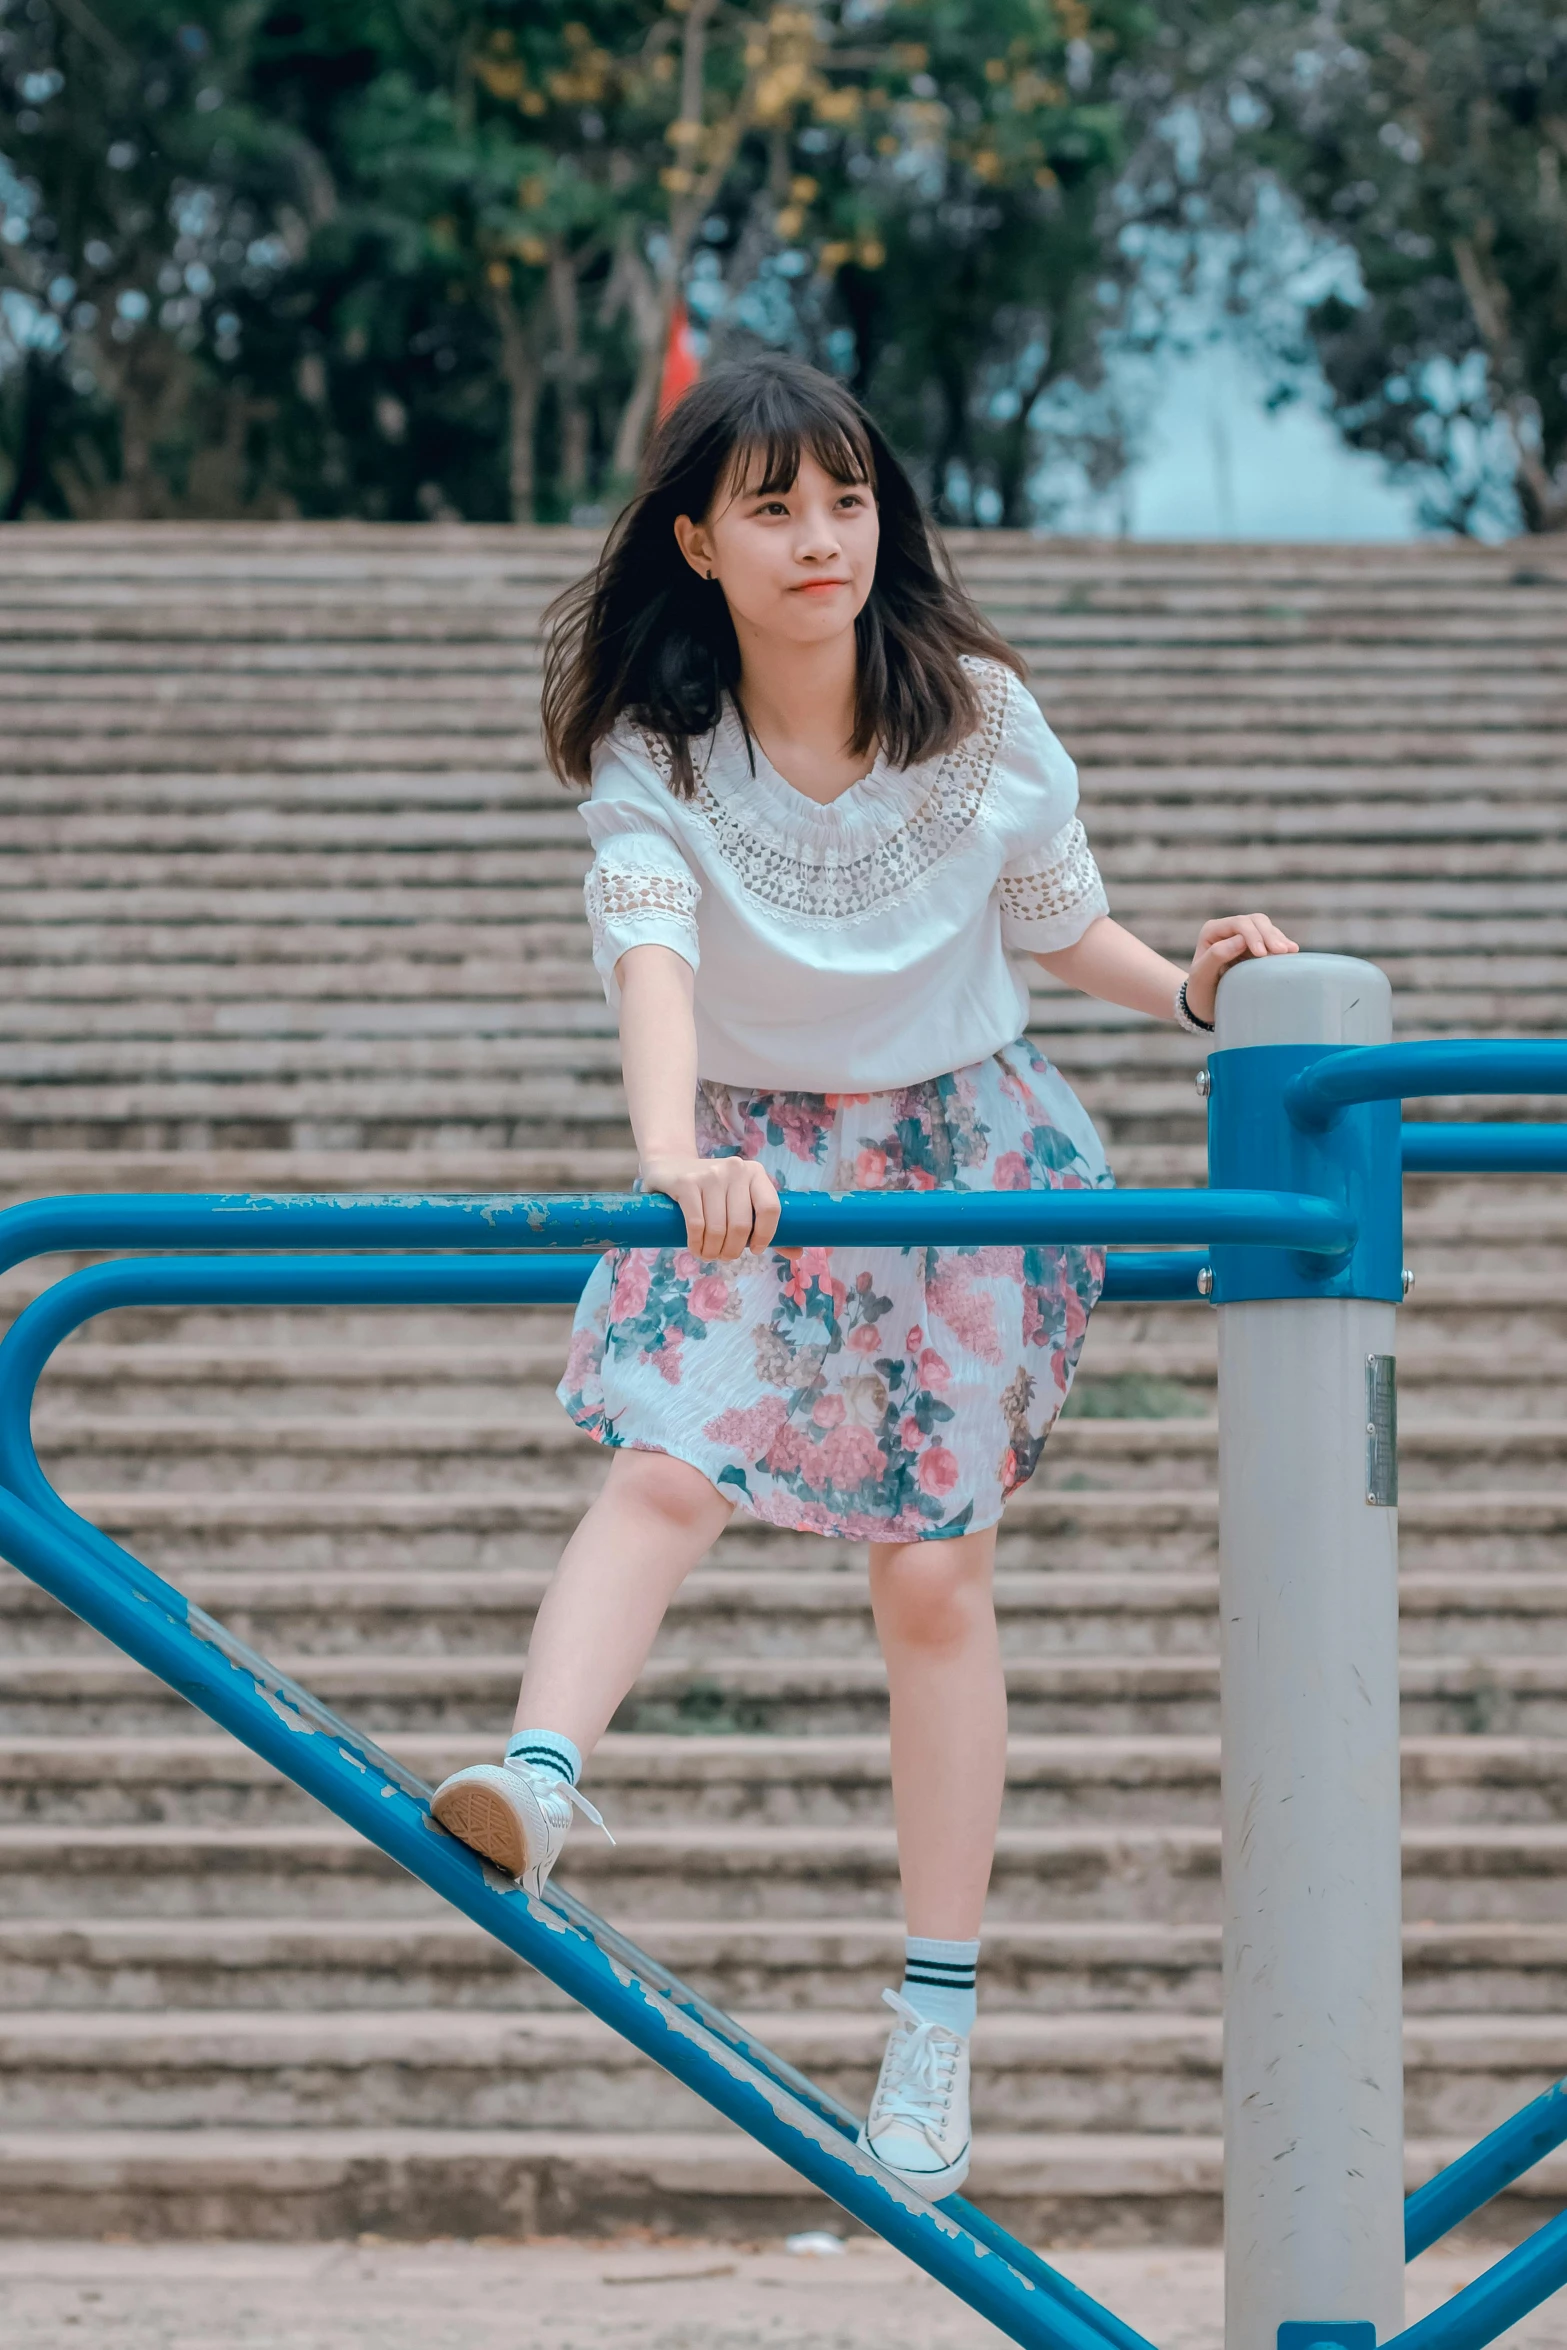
(289, 901)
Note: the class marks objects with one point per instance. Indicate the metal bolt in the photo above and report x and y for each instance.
(1408, 1280)
(1205, 1281)
(1204, 1084)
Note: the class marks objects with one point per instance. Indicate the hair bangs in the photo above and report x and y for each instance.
(766, 463)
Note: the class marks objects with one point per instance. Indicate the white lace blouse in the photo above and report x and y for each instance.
(854, 947)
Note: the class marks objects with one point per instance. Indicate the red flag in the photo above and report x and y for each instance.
(682, 367)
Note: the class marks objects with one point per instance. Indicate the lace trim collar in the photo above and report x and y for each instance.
(874, 844)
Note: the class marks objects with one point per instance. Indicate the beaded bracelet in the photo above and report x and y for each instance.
(1187, 1017)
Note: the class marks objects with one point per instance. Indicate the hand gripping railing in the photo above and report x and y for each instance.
(1323, 1245)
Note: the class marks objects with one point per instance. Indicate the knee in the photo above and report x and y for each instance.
(671, 1490)
(929, 1595)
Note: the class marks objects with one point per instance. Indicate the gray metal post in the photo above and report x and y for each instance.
(1313, 2064)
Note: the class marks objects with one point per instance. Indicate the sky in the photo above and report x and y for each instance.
(1217, 465)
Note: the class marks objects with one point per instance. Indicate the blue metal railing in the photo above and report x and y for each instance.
(554, 1221)
(366, 1787)
(1407, 1072)
(540, 1248)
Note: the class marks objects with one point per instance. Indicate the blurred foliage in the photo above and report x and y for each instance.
(417, 258)
(1426, 142)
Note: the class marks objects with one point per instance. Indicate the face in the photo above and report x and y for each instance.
(797, 563)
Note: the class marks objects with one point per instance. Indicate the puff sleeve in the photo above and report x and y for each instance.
(640, 890)
(1050, 888)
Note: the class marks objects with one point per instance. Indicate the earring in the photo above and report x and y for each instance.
(709, 576)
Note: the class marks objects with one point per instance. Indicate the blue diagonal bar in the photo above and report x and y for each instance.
(1435, 2209)
(1496, 2300)
(394, 1816)
(1021, 2293)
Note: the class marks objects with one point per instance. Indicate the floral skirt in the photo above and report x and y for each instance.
(877, 1394)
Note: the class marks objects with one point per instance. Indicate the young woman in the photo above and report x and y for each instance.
(827, 818)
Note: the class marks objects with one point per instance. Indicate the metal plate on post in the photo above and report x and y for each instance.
(1382, 1432)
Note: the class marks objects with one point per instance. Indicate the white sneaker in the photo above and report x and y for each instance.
(918, 2124)
(516, 1814)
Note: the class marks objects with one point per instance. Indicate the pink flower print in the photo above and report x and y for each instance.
(867, 1339)
(786, 1453)
(851, 1454)
(632, 1283)
(1076, 1314)
(712, 1299)
(935, 1371)
(919, 1179)
(827, 1412)
(969, 1313)
(995, 1257)
(863, 1283)
(915, 1339)
(910, 1434)
(687, 1266)
(1008, 1470)
(582, 1357)
(666, 1357)
(870, 1170)
(752, 1429)
(812, 1264)
(802, 1129)
(1010, 1172)
(813, 1466)
(938, 1470)
(844, 1101)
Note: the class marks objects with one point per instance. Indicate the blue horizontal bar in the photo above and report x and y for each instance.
(1435, 2209)
(1484, 1149)
(1162, 1277)
(542, 1220)
(1497, 2299)
(1407, 1072)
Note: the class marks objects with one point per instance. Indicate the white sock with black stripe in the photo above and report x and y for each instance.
(546, 1750)
(939, 1979)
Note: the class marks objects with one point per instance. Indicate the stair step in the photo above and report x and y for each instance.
(313, 1963)
(467, 2069)
(391, 1695)
(824, 1779)
(293, 904)
(1459, 1872)
(319, 2185)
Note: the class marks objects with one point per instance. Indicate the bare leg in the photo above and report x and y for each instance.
(653, 1521)
(936, 1620)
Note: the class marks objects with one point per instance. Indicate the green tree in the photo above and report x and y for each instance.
(124, 238)
(979, 265)
(414, 257)
(1427, 139)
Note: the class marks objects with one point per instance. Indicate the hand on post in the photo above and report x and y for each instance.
(1221, 944)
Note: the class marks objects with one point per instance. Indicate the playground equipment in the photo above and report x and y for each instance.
(1298, 1244)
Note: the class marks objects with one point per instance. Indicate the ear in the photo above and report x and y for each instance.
(694, 544)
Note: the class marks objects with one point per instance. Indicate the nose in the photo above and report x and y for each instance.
(817, 540)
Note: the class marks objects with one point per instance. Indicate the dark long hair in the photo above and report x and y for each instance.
(643, 635)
